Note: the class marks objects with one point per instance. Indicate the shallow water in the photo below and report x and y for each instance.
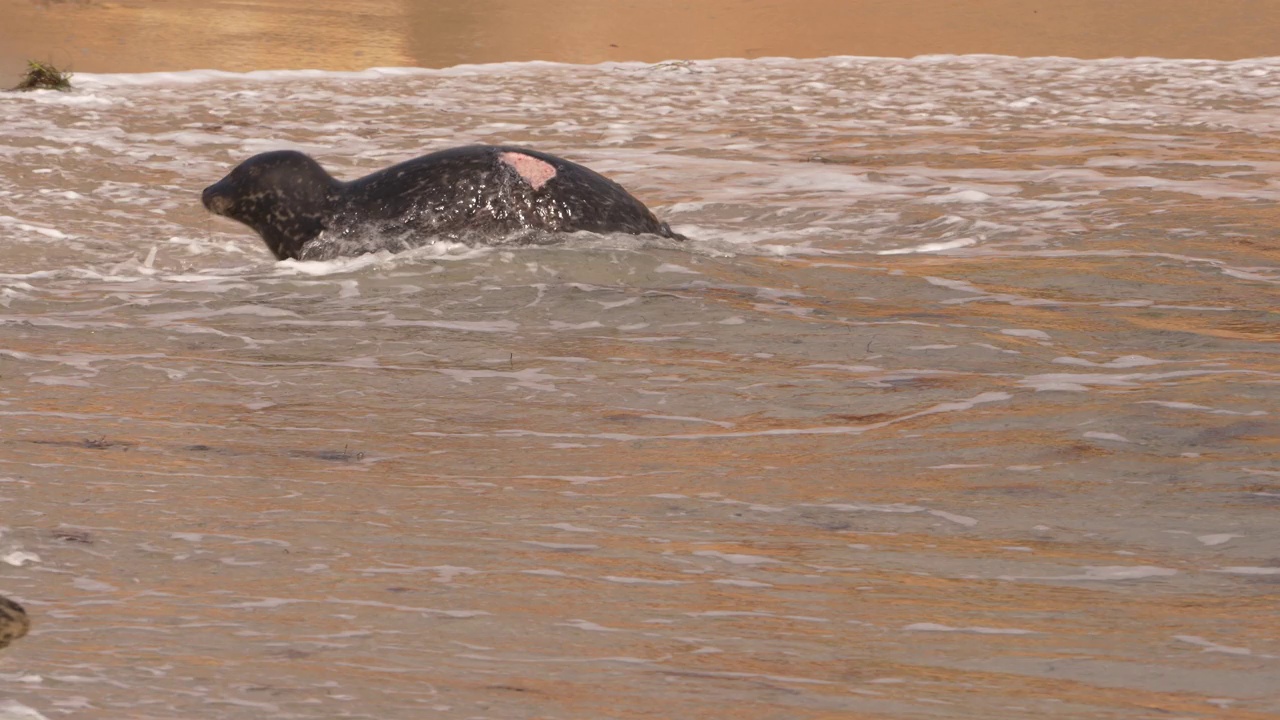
(961, 402)
(101, 36)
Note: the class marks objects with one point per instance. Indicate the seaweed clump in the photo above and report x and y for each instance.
(43, 76)
(13, 621)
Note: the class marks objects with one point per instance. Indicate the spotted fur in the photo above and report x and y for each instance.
(478, 194)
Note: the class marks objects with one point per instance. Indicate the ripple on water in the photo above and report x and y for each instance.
(969, 365)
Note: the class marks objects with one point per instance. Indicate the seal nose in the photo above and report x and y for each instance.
(215, 201)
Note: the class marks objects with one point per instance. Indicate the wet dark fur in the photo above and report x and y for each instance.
(13, 621)
(466, 193)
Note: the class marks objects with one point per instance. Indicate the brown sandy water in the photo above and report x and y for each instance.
(150, 35)
(961, 403)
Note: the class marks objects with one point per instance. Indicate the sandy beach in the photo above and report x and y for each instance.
(156, 35)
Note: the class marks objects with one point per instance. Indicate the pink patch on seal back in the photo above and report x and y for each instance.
(534, 171)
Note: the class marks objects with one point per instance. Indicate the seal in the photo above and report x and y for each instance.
(13, 621)
(479, 194)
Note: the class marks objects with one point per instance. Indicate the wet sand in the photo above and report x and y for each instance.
(141, 35)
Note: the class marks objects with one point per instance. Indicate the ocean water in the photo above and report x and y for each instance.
(961, 402)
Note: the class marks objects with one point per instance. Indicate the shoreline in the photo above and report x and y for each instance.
(198, 76)
(132, 36)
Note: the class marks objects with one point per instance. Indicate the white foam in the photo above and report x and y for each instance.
(573, 480)
(588, 625)
(1110, 437)
(742, 583)
(1104, 573)
(14, 710)
(690, 419)
(1249, 570)
(30, 227)
(443, 573)
(953, 517)
(190, 77)
(1209, 646)
(736, 558)
(673, 268)
(546, 572)
(570, 527)
(642, 581)
(92, 585)
(935, 627)
(18, 558)
(1126, 361)
(961, 196)
(481, 326)
(899, 508)
(1027, 333)
(1083, 382)
(561, 546)
(931, 247)
(528, 378)
(1217, 538)
(1175, 405)
(946, 407)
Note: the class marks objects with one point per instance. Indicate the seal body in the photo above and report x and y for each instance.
(479, 194)
(13, 621)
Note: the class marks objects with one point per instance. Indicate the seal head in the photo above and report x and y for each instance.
(283, 195)
(477, 194)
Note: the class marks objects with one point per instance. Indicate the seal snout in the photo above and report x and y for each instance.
(215, 200)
